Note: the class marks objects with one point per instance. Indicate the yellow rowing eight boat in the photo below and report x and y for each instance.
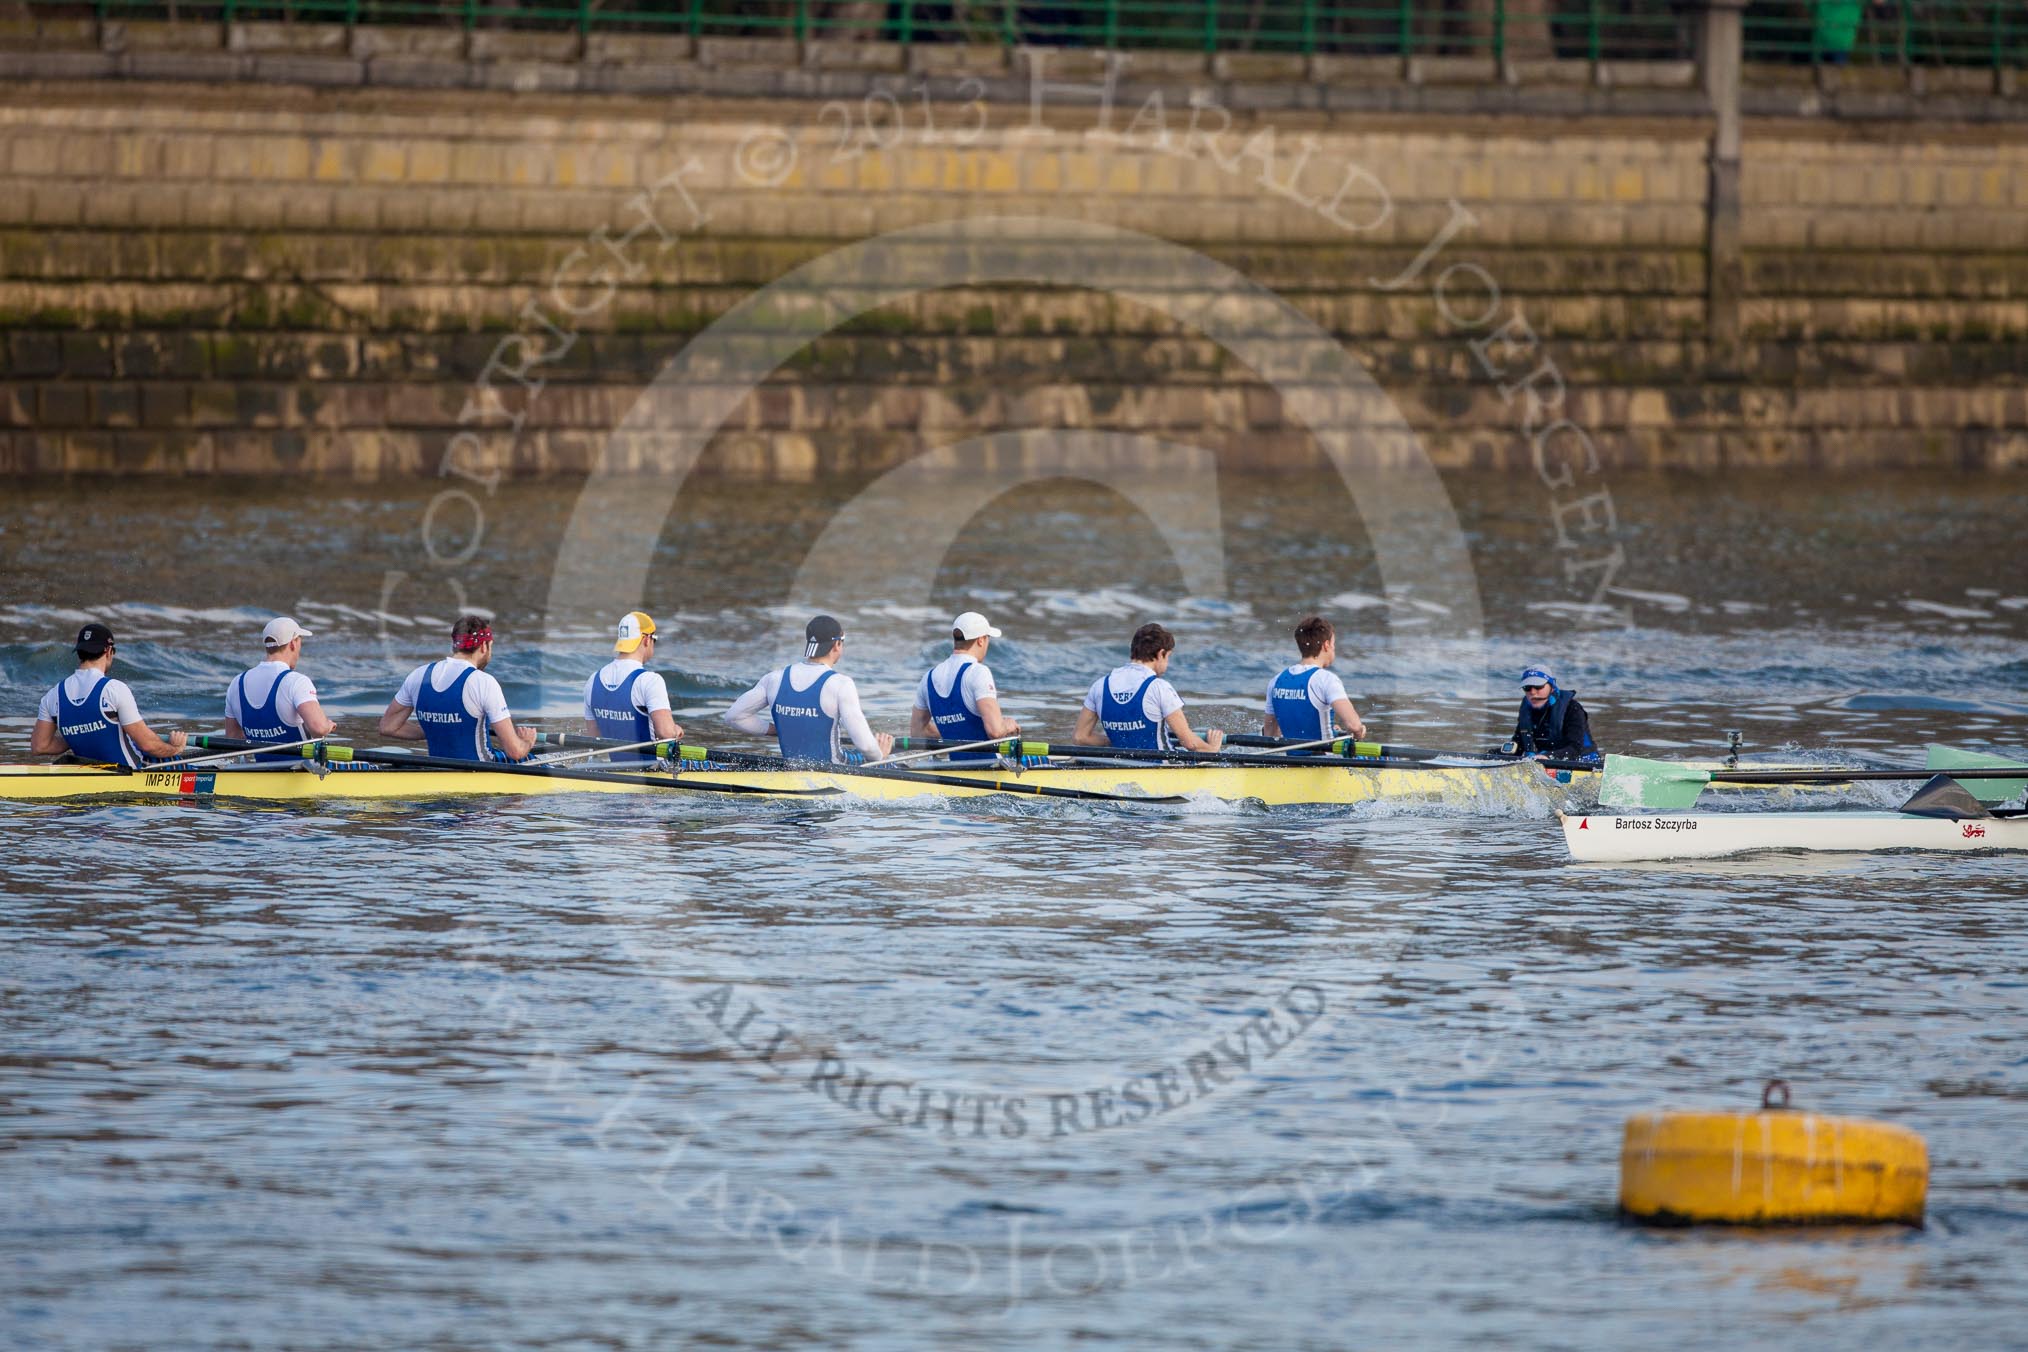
(1271, 786)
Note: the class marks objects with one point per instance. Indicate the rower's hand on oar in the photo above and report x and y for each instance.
(177, 741)
(885, 740)
(1214, 738)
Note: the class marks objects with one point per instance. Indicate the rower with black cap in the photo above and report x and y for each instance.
(1551, 722)
(275, 704)
(93, 717)
(956, 700)
(808, 702)
(454, 706)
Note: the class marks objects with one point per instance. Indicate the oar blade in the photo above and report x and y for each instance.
(1948, 758)
(1630, 781)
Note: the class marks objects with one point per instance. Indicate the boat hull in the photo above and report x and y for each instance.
(1619, 839)
(1272, 786)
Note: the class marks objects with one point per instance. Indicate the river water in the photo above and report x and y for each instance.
(648, 1073)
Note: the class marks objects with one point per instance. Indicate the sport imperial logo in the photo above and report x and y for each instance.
(80, 729)
(438, 718)
(799, 713)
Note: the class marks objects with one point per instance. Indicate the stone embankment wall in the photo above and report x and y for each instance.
(256, 256)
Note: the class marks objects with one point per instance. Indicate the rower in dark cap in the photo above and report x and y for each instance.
(808, 703)
(94, 717)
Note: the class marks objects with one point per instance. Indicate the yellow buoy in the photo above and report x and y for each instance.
(1773, 1167)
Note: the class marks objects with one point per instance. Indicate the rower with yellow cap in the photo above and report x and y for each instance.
(623, 700)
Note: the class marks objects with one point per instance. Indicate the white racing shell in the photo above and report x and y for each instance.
(1625, 838)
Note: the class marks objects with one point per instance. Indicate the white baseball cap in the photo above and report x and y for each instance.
(282, 631)
(971, 625)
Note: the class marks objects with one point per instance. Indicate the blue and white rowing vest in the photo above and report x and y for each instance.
(1126, 720)
(802, 729)
(88, 734)
(448, 727)
(1298, 718)
(954, 722)
(614, 713)
(262, 723)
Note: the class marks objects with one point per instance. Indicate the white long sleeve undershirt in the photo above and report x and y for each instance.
(840, 700)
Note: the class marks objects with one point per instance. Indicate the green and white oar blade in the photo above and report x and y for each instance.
(1948, 758)
(1630, 781)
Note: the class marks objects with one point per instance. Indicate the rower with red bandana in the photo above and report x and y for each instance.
(455, 707)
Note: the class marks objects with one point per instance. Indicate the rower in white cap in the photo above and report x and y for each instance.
(274, 704)
(956, 699)
(623, 700)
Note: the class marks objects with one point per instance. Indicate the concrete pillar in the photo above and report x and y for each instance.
(1719, 56)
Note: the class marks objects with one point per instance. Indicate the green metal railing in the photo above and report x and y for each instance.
(1986, 33)
(1989, 33)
